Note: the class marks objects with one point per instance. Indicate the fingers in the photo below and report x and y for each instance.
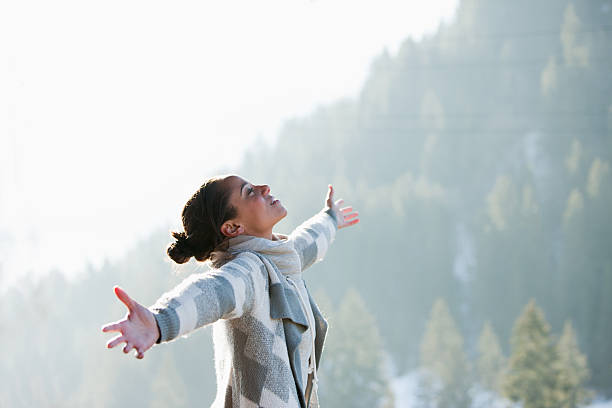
(139, 351)
(115, 341)
(348, 224)
(112, 327)
(123, 297)
(351, 216)
(339, 202)
(330, 194)
(129, 346)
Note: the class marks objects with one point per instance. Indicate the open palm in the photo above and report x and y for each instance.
(345, 215)
(138, 329)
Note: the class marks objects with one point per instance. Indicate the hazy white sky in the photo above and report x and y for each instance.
(113, 113)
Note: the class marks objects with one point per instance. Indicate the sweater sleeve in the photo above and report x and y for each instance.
(224, 293)
(313, 237)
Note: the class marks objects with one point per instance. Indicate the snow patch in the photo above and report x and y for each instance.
(405, 391)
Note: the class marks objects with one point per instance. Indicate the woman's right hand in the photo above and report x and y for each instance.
(138, 329)
(345, 217)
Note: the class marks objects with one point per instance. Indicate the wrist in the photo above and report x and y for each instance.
(334, 216)
(157, 331)
(157, 334)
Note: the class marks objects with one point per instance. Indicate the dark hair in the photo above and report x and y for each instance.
(202, 216)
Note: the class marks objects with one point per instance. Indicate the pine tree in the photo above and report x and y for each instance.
(352, 370)
(572, 370)
(445, 379)
(491, 361)
(532, 373)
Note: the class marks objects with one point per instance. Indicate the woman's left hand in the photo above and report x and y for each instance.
(345, 215)
(138, 328)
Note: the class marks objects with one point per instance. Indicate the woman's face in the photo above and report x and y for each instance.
(258, 211)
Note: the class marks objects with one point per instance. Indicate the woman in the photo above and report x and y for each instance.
(268, 332)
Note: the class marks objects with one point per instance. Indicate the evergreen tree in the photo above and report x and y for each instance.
(491, 361)
(572, 370)
(585, 269)
(532, 372)
(445, 379)
(352, 370)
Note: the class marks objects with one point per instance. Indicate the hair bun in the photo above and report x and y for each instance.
(180, 251)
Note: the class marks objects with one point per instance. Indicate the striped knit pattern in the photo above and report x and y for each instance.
(258, 320)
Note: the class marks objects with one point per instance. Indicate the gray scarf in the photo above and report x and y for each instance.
(280, 251)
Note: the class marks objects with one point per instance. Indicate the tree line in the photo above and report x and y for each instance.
(542, 371)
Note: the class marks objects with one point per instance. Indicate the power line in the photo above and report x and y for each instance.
(485, 132)
(487, 114)
(474, 130)
(439, 38)
(536, 63)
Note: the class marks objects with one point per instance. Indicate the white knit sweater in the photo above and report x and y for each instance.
(264, 318)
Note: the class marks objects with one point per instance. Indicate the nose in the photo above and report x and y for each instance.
(265, 189)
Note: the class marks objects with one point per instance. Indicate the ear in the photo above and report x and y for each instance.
(231, 229)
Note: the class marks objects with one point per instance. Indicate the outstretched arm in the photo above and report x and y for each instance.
(313, 237)
(223, 293)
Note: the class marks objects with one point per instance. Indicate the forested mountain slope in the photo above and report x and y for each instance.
(479, 159)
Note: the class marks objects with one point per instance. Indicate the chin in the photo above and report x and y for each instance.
(284, 213)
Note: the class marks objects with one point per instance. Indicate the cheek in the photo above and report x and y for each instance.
(261, 211)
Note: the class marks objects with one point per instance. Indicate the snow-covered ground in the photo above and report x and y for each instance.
(405, 391)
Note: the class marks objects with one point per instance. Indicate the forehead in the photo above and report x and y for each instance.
(234, 185)
(233, 182)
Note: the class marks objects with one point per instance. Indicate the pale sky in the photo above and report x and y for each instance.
(113, 113)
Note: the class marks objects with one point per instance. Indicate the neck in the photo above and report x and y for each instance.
(266, 235)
